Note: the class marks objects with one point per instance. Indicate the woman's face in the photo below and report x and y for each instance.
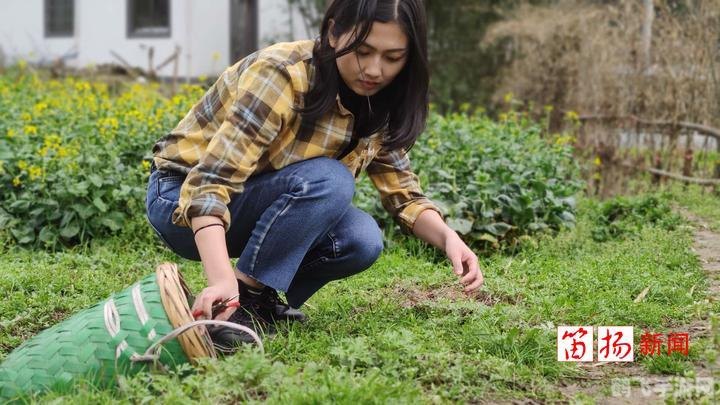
(376, 62)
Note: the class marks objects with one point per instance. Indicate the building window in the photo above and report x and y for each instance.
(148, 18)
(59, 18)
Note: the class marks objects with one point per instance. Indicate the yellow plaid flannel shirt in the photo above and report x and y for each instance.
(245, 125)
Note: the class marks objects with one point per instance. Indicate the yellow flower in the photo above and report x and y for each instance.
(202, 78)
(52, 141)
(101, 87)
(548, 108)
(508, 97)
(72, 167)
(43, 151)
(2, 169)
(564, 140)
(82, 87)
(62, 152)
(39, 108)
(30, 129)
(22, 64)
(22, 165)
(216, 56)
(10, 133)
(597, 161)
(16, 181)
(112, 122)
(25, 116)
(503, 117)
(35, 172)
(145, 164)
(572, 116)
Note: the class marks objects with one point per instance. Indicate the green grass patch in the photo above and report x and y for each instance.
(699, 200)
(401, 331)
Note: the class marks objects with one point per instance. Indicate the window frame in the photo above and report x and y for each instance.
(46, 21)
(134, 33)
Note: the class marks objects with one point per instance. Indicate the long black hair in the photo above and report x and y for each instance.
(403, 105)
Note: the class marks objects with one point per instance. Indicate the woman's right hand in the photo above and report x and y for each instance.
(213, 294)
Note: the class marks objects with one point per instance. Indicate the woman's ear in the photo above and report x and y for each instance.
(331, 37)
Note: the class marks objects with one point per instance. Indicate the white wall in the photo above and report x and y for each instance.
(21, 32)
(200, 27)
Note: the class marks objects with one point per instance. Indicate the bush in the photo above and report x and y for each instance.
(74, 159)
(497, 182)
(623, 217)
(74, 162)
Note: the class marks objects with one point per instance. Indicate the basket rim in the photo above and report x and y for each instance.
(196, 342)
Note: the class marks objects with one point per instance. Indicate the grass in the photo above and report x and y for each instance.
(699, 200)
(399, 332)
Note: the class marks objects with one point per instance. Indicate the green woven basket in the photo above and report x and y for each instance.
(108, 339)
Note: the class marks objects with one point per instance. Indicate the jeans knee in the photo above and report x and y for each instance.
(366, 244)
(334, 175)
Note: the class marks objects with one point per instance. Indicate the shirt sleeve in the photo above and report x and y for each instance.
(399, 188)
(260, 109)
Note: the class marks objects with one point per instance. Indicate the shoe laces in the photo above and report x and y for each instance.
(272, 297)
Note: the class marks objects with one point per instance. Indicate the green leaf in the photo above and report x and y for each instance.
(6, 152)
(567, 217)
(67, 217)
(53, 215)
(498, 228)
(79, 189)
(461, 225)
(70, 230)
(113, 221)
(489, 238)
(20, 205)
(37, 212)
(24, 235)
(85, 211)
(98, 202)
(5, 218)
(96, 180)
(48, 234)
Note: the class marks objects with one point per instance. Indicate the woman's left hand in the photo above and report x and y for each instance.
(465, 263)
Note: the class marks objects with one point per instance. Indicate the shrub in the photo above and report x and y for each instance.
(623, 217)
(74, 159)
(497, 182)
(74, 162)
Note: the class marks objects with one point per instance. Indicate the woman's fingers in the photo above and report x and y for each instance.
(457, 265)
(203, 305)
(225, 315)
(470, 276)
(475, 284)
(471, 263)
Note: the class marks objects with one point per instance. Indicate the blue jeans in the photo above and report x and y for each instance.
(294, 229)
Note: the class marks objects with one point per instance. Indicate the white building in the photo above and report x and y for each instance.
(208, 34)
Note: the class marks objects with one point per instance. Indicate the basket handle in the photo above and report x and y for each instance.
(151, 352)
